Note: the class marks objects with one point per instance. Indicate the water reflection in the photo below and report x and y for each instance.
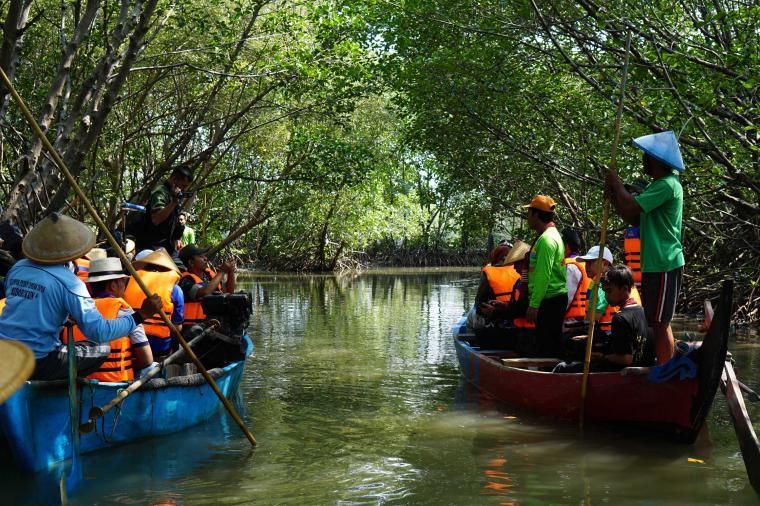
(355, 398)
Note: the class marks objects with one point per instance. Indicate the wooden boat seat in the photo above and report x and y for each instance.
(531, 363)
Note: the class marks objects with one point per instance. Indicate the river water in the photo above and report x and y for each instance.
(354, 396)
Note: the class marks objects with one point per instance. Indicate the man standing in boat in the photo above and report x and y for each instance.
(547, 283)
(162, 227)
(43, 292)
(658, 212)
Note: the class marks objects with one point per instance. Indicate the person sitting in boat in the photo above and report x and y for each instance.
(629, 344)
(497, 279)
(547, 284)
(201, 280)
(577, 284)
(108, 282)
(43, 292)
(497, 306)
(160, 274)
(83, 263)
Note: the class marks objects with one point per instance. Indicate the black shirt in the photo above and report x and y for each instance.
(629, 336)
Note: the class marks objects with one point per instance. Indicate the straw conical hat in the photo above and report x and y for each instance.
(16, 366)
(517, 253)
(159, 258)
(57, 239)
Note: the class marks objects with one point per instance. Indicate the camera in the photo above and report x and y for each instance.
(185, 195)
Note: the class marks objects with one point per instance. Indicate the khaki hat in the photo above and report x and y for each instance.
(56, 239)
(159, 258)
(16, 366)
(517, 253)
(542, 203)
(104, 269)
(96, 254)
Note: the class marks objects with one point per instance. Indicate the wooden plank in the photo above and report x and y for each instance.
(745, 432)
(527, 363)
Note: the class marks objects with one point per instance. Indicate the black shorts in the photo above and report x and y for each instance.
(55, 365)
(659, 293)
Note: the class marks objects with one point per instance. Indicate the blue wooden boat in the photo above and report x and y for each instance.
(35, 421)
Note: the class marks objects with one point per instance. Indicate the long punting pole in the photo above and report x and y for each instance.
(603, 238)
(115, 245)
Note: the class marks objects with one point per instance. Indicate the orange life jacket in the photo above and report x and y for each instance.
(605, 322)
(579, 303)
(521, 323)
(161, 283)
(83, 268)
(632, 255)
(120, 363)
(2, 305)
(193, 309)
(502, 279)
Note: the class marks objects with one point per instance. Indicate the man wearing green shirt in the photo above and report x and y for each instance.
(547, 283)
(658, 212)
(188, 235)
(161, 228)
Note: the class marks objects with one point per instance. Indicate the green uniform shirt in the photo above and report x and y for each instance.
(160, 197)
(546, 276)
(660, 225)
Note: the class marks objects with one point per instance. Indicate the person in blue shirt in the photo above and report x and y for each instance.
(43, 292)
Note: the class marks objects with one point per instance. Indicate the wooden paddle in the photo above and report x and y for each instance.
(603, 238)
(115, 245)
(97, 412)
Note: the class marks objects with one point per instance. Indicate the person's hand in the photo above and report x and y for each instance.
(486, 308)
(229, 266)
(612, 182)
(150, 306)
(532, 314)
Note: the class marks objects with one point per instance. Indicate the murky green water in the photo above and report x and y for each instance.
(355, 398)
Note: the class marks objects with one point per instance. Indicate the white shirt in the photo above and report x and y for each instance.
(572, 280)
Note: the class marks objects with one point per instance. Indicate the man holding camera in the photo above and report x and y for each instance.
(162, 227)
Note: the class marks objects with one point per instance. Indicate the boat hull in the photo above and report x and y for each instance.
(677, 406)
(610, 397)
(36, 424)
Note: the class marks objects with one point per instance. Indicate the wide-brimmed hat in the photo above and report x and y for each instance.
(517, 253)
(16, 366)
(593, 254)
(191, 250)
(542, 203)
(104, 269)
(56, 239)
(158, 258)
(664, 147)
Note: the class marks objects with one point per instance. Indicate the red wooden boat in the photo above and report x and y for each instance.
(677, 406)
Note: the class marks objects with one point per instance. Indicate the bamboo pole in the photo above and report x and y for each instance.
(115, 245)
(603, 237)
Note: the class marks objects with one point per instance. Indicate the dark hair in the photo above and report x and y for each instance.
(99, 286)
(620, 276)
(571, 237)
(545, 216)
(183, 171)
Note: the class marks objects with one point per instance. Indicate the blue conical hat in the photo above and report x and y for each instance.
(664, 147)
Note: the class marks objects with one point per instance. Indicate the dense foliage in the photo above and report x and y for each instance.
(333, 132)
